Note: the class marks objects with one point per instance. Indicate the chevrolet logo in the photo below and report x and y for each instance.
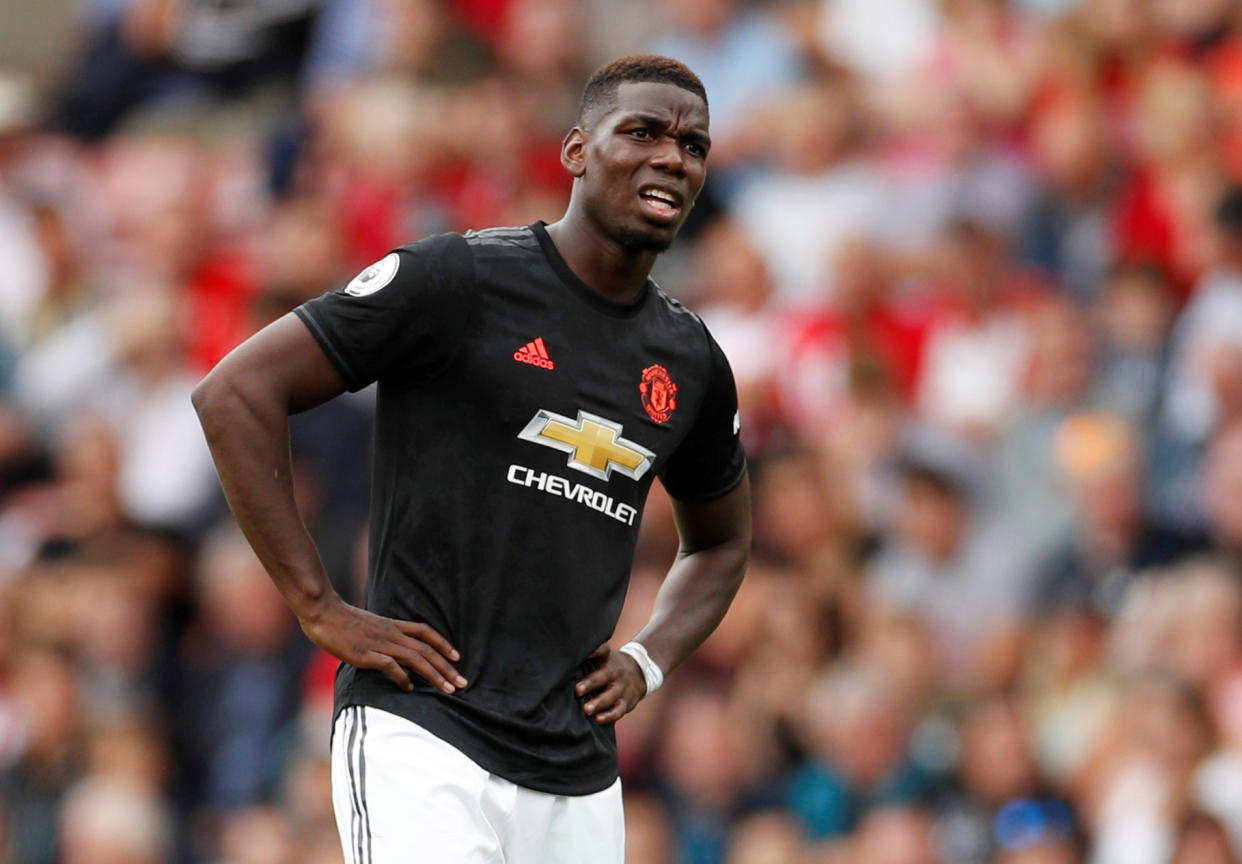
(594, 445)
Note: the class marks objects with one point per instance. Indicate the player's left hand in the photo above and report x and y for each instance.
(619, 682)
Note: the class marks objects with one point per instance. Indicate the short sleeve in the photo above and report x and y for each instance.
(710, 462)
(405, 315)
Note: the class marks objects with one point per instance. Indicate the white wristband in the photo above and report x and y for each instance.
(652, 672)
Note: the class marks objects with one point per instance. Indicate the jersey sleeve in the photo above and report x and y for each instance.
(405, 315)
(710, 462)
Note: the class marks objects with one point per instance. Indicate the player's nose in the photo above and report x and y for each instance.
(669, 157)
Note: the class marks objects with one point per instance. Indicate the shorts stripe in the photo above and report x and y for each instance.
(355, 816)
(362, 784)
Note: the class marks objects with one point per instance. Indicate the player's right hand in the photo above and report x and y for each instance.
(396, 648)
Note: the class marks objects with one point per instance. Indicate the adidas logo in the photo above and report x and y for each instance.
(535, 353)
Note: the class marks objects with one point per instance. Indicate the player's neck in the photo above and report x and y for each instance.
(606, 266)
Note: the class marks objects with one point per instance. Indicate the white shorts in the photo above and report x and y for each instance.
(404, 796)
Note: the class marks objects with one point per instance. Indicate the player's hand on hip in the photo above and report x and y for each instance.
(616, 686)
(396, 648)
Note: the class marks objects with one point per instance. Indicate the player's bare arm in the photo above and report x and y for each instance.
(244, 406)
(715, 546)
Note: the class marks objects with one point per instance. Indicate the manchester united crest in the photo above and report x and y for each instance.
(658, 392)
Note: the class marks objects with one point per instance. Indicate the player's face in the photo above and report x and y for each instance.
(645, 163)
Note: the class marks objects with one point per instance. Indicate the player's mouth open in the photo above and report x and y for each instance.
(663, 203)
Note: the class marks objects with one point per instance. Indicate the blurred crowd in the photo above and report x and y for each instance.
(977, 265)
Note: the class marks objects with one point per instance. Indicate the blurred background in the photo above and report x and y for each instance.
(978, 268)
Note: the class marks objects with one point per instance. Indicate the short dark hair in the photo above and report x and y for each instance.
(601, 88)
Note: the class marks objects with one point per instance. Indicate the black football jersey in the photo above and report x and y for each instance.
(521, 418)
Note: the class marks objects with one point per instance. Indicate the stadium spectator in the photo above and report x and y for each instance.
(704, 769)
(1066, 231)
(1133, 318)
(822, 191)
(238, 681)
(1113, 540)
(1034, 508)
(978, 343)
(998, 800)
(1140, 785)
(857, 734)
(949, 569)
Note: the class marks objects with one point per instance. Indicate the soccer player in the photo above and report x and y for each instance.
(532, 383)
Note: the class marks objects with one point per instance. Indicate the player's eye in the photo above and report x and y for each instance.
(697, 150)
(641, 134)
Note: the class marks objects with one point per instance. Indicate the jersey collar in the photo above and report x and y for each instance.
(580, 288)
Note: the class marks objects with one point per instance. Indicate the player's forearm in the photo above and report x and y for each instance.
(248, 433)
(693, 600)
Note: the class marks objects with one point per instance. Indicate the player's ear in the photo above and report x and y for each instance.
(573, 152)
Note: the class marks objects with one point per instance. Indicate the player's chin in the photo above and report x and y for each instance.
(647, 238)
